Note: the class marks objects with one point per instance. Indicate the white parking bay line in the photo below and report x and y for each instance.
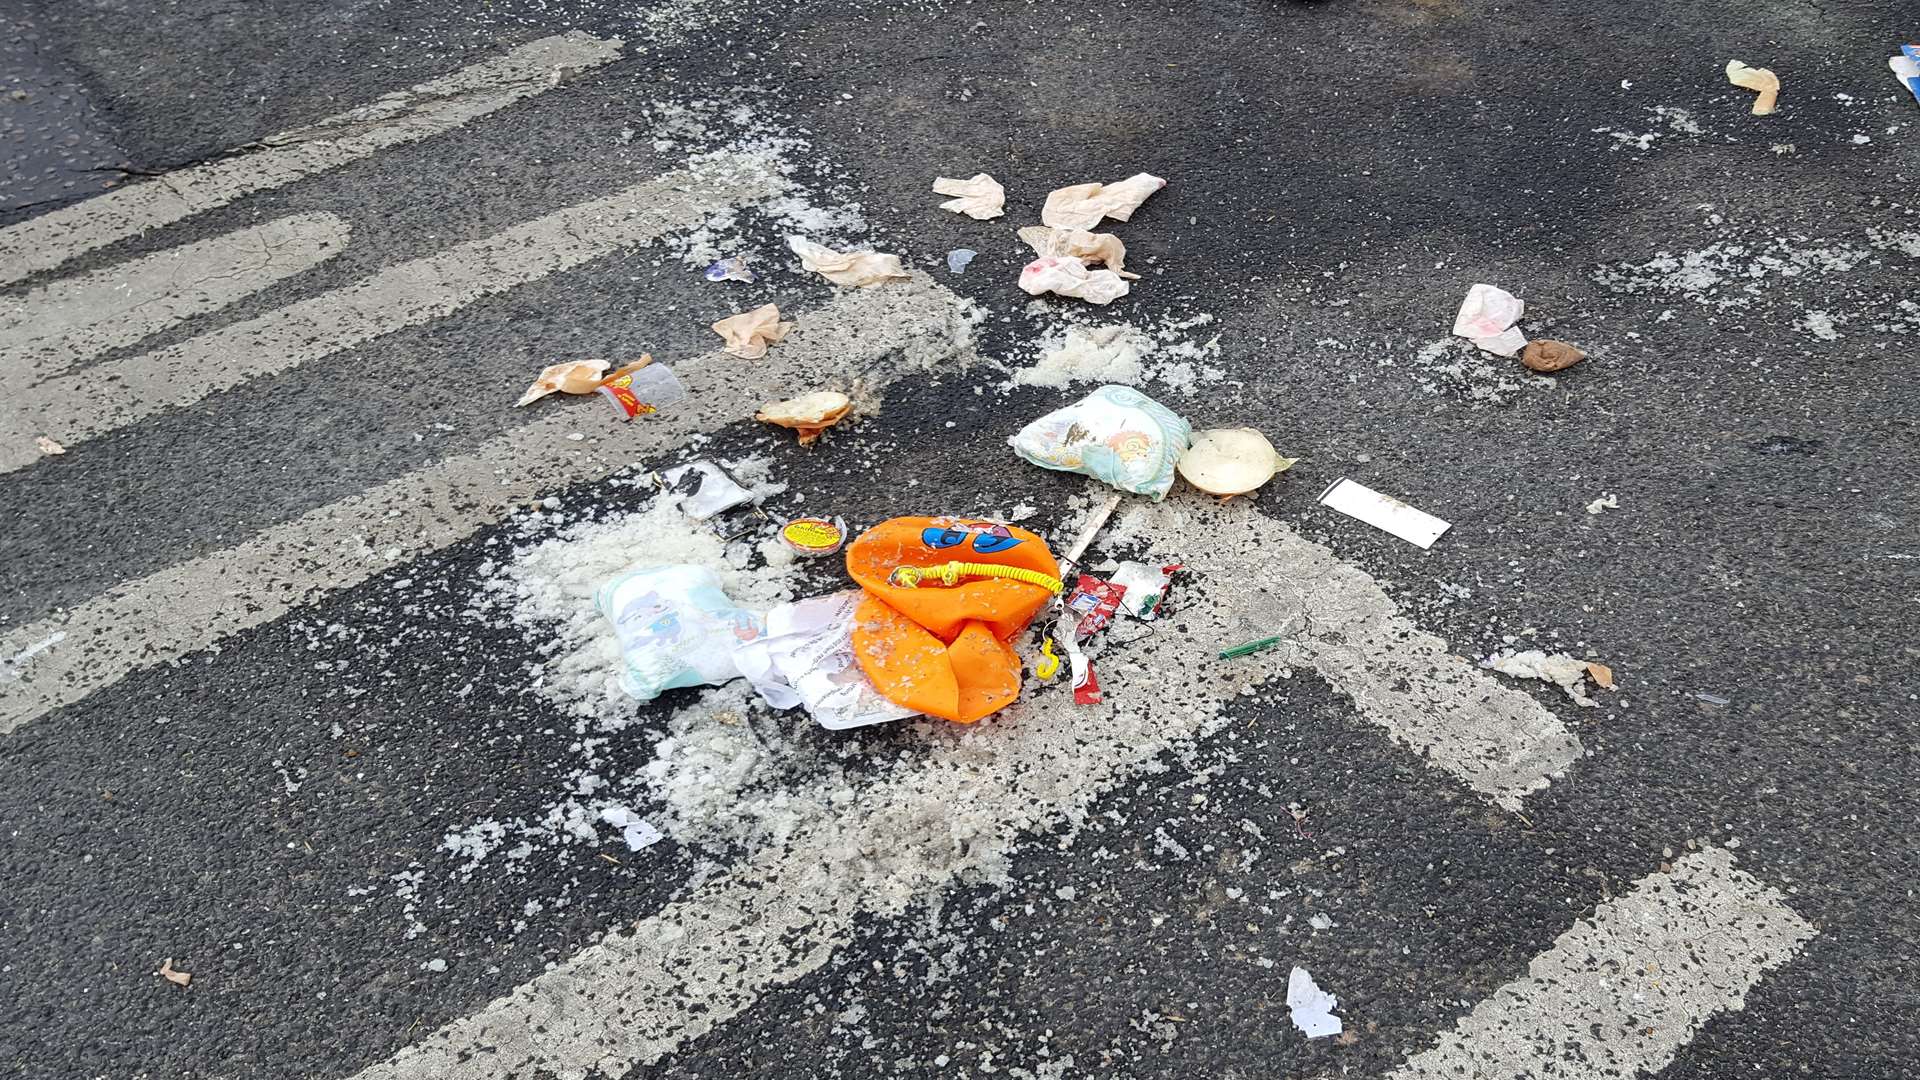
(72, 320)
(870, 334)
(1621, 993)
(406, 116)
(632, 999)
(76, 408)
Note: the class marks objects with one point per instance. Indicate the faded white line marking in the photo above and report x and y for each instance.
(74, 409)
(68, 322)
(428, 109)
(168, 614)
(634, 998)
(1621, 993)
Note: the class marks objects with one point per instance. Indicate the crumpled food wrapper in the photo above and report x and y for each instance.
(980, 197)
(571, 377)
(1761, 80)
(808, 414)
(749, 333)
(1088, 247)
(1081, 206)
(1486, 318)
(1066, 275)
(1116, 435)
(855, 269)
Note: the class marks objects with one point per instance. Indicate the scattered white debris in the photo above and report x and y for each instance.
(1321, 921)
(1099, 354)
(1558, 668)
(634, 829)
(1607, 501)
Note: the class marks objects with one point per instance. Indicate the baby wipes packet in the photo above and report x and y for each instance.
(1116, 434)
(676, 628)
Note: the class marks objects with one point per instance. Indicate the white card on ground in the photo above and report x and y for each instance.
(1384, 512)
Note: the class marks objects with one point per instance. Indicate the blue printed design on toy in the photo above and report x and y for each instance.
(988, 538)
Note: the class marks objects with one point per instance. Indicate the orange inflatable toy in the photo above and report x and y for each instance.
(944, 596)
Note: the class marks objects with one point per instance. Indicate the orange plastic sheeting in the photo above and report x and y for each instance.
(943, 649)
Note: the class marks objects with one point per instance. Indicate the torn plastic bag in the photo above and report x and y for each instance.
(705, 489)
(1116, 434)
(676, 628)
(806, 658)
(944, 598)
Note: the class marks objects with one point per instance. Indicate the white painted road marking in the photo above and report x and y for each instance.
(428, 109)
(73, 320)
(185, 608)
(632, 999)
(1621, 993)
(76, 408)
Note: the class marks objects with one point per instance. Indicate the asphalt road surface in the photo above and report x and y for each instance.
(302, 693)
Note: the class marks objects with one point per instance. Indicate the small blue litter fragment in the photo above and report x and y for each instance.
(734, 269)
(958, 258)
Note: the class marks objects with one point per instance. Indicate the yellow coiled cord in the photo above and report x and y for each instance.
(910, 577)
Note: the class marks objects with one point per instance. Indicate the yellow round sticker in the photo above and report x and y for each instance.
(813, 536)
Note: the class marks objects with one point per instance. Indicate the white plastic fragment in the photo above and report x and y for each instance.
(1081, 206)
(1065, 275)
(1383, 512)
(981, 197)
(637, 831)
(958, 258)
(1607, 501)
(1486, 318)
(1311, 1007)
